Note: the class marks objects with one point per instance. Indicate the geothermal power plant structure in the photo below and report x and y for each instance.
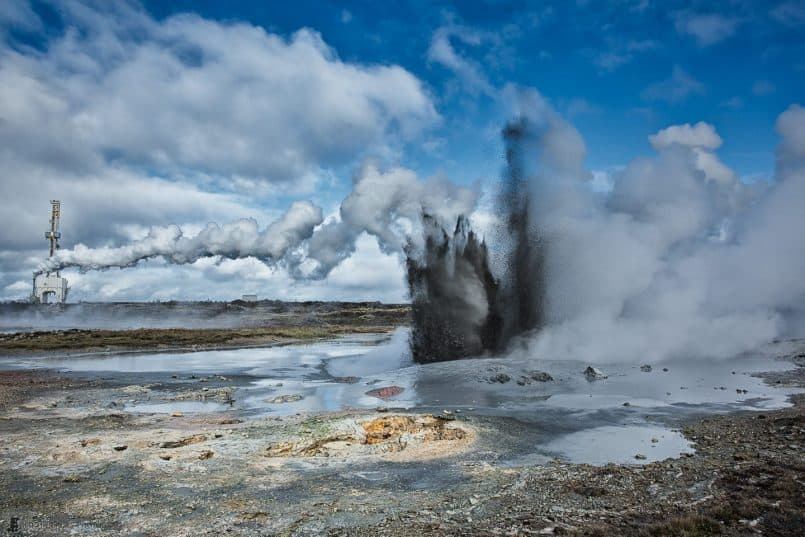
(50, 287)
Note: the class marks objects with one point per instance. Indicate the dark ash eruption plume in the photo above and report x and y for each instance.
(453, 293)
(459, 308)
(522, 284)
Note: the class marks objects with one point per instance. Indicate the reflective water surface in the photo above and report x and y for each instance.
(595, 421)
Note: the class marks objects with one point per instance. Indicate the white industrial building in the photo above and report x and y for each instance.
(50, 287)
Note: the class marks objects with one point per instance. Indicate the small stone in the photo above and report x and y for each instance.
(627, 403)
(206, 454)
(540, 376)
(654, 440)
(72, 478)
(665, 370)
(593, 373)
(121, 447)
(501, 378)
(645, 368)
(640, 457)
(346, 380)
(176, 414)
(286, 398)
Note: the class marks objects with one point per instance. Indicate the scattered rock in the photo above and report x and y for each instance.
(230, 421)
(136, 389)
(90, 442)
(287, 398)
(502, 378)
(206, 454)
(122, 447)
(165, 457)
(72, 478)
(386, 392)
(540, 376)
(593, 373)
(645, 368)
(195, 439)
(176, 415)
(640, 457)
(627, 403)
(346, 380)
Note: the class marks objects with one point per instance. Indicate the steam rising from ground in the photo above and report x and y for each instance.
(680, 259)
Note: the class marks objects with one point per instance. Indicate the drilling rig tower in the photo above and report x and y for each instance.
(50, 287)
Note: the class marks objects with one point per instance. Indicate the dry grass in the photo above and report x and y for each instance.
(150, 338)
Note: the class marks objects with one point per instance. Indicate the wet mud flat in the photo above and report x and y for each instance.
(73, 463)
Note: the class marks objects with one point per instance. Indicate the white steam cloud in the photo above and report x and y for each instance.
(388, 205)
(385, 204)
(233, 240)
(679, 259)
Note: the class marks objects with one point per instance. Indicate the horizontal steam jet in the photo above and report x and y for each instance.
(238, 239)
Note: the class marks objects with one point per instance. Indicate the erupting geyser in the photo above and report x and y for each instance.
(454, 295)
(459, 307)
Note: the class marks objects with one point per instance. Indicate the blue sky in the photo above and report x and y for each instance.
(91, 113)
(596, 60)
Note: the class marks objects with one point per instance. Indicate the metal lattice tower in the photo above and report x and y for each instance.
(53, 234)
(50, 287)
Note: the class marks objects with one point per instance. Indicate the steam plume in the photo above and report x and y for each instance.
(387, 205)
(679, 259)
(238, 239)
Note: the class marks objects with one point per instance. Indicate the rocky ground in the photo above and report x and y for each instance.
(72, 464)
